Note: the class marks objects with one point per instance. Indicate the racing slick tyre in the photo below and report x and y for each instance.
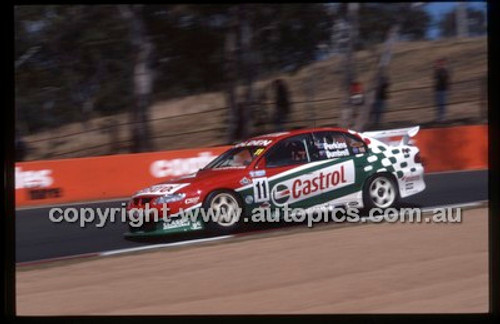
(227, 211)
(380, 191)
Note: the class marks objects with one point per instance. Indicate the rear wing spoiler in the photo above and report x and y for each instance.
(405, 132)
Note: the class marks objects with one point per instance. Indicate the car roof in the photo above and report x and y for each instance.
(275, 137)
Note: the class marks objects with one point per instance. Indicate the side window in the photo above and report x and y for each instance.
(330, 145)
(290, 151)
(356, 146)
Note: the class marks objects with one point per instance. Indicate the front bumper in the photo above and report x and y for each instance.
(162, 228)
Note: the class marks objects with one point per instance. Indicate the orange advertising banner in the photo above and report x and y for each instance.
(116, 176)
(104, 177)
(454, 148)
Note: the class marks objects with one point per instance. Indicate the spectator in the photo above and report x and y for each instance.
(441, 79)
(380, 97)
(282, 104)
(356, 92)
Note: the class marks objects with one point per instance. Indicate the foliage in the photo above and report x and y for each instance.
(81, 56)
(476, 23)
(375, 19)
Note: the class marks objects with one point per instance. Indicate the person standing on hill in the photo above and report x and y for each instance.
(282, 104)
(356, 94)
(380, 98)
(441, 85)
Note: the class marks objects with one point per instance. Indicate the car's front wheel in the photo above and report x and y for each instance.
(225, 209)
(381, 191)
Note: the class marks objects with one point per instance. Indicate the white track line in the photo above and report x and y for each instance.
(462, 205)
(366, 220)
(121, 251)
(158, 246)
(125, 199)
(64, 258)
(378, 219)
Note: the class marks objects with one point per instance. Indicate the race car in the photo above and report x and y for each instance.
(308, 168)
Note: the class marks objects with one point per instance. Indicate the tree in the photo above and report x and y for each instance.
(476, 23)
(143, 78)
(290, 34)
(349, 60)
(375, 19)
(248, 58)
(76, 51)
(383, 63)
(77, 60)
(257, 40)
(231, 70)
(461, 19)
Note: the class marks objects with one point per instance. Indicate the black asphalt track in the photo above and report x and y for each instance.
(38, 238)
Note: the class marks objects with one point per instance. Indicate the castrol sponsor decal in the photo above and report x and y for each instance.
(313, 184)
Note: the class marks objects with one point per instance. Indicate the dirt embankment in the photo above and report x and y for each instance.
(377, 268)
(174, 126)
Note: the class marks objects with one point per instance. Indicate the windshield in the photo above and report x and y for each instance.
(236, 157)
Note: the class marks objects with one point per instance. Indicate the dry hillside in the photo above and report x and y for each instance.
(201, 120)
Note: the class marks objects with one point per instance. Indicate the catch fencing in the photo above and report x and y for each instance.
(467, 101)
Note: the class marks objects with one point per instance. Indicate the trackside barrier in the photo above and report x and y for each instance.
(105, 177)
(108, 177)
(454, 148)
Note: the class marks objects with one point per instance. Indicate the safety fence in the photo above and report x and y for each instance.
(106, 177)
(312, 112)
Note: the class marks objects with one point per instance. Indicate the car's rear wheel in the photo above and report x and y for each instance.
(226, 209)
(381, 191)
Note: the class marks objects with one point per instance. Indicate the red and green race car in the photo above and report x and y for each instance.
(309, 168)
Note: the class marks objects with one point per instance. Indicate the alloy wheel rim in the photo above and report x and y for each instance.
(225, 209)
(382, 192)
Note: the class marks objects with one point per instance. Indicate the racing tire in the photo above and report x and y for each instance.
(224, 203)
(380, 191)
